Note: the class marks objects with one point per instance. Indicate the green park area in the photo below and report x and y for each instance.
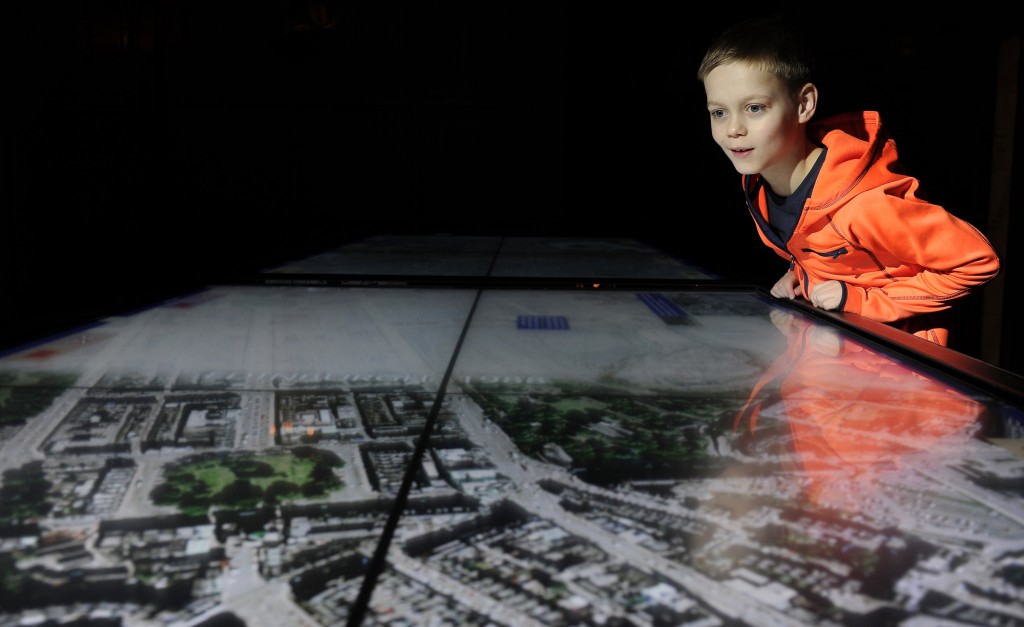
(607, 437)
(232, 481)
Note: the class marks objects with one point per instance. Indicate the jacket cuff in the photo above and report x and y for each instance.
(852, 299)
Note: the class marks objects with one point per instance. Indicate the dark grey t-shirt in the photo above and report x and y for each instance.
(783, 212)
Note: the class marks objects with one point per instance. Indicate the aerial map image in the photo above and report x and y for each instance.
(273, 455)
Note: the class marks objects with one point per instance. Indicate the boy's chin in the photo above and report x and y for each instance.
(743, 168)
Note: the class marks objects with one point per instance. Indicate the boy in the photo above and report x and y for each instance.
(831, 196)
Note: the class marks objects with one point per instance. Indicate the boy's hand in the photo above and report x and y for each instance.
(787, 287)
(827, 295)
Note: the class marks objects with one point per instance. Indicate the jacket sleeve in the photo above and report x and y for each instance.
(927, 256)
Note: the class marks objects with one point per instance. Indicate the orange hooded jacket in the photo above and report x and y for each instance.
(897, 255)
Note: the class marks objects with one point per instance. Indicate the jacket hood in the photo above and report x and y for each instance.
(859, 155)
(855, 142)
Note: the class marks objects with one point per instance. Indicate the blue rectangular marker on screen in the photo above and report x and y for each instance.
(547, 323)
(665, 308)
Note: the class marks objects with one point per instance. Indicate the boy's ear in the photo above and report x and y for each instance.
(807, 101)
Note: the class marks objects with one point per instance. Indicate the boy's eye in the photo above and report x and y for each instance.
(755, 108)
(718, 114)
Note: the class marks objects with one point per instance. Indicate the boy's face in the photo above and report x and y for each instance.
(755, 120)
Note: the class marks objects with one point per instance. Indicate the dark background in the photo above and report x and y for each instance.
(153, 146)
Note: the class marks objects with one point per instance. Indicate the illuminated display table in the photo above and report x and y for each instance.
(673, 451)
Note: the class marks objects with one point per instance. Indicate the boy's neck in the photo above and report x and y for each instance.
(785, 185)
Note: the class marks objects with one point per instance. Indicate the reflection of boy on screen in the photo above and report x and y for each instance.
(850, 408)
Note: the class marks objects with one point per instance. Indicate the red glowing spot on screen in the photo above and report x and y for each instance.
(42, 353)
